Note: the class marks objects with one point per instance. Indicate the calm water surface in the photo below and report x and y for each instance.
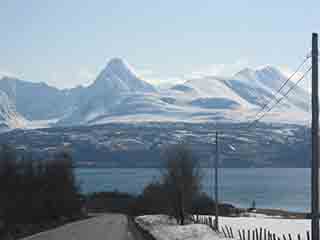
(270, 187)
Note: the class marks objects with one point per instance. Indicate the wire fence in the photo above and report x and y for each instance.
(249, 234)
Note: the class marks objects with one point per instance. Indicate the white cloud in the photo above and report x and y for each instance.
(70, 79)
(145, 72)
(209, 70)
(150, 76)
(166, 81)
(220, 69)
(8, 74)
(86, 77)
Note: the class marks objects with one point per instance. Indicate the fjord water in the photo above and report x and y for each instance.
(278, 188)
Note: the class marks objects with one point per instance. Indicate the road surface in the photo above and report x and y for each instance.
(103, 227)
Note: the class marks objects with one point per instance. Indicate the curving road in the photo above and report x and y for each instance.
(103, 227)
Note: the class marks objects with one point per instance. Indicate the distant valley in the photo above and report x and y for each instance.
(141, 145)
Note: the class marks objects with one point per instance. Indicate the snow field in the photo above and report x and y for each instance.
(161, 227)
(276, 225)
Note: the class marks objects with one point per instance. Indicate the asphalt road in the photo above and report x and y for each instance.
(103, 227)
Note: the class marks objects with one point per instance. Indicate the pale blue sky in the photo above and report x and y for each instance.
(66, 43)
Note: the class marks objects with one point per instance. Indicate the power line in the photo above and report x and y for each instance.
(274, 96)
(280, 99)
(281, 87)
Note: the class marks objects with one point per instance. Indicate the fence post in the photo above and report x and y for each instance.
(224, 232)
(239, 232)
(299, 237)
(229, 234)
(232, 236)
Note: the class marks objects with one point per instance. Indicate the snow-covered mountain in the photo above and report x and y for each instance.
(119, 77)
(9, 118)
(38, 101)
(118, 94)
(268, 79)
(248, 91)
(114, 84)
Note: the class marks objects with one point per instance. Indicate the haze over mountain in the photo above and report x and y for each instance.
(118, 94)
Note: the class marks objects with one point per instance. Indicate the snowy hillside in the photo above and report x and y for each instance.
(267, 80)
(114, 83)
(38, 101)
(118, 94)
(9, 118)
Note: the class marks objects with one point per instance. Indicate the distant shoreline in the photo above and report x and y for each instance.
(279, 213)
(158, 167)
(271, 188)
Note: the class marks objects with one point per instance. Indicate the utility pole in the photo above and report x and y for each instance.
(216, 221)
(315, 142)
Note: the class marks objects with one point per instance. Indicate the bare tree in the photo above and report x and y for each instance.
(35, 193)
(181, 177)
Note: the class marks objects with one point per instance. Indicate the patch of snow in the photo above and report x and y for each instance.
(161, 227)
(41, 123)
(232, 147)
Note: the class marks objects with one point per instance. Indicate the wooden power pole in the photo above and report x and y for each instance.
(216, 221)
(315, 142)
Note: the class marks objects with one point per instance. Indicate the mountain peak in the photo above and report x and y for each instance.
(120, 66)
(269, 72)
(246, 74)
(265, 71)
(117, 61)
(246, 70)
(119, 76)
(268, 68)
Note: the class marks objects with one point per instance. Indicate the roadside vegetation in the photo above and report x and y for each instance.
(36, 195)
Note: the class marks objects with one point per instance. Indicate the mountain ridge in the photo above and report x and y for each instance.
(118, 93)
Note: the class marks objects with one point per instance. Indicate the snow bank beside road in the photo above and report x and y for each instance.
(161, 227)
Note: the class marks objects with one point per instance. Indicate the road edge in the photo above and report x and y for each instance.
(137, 231)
